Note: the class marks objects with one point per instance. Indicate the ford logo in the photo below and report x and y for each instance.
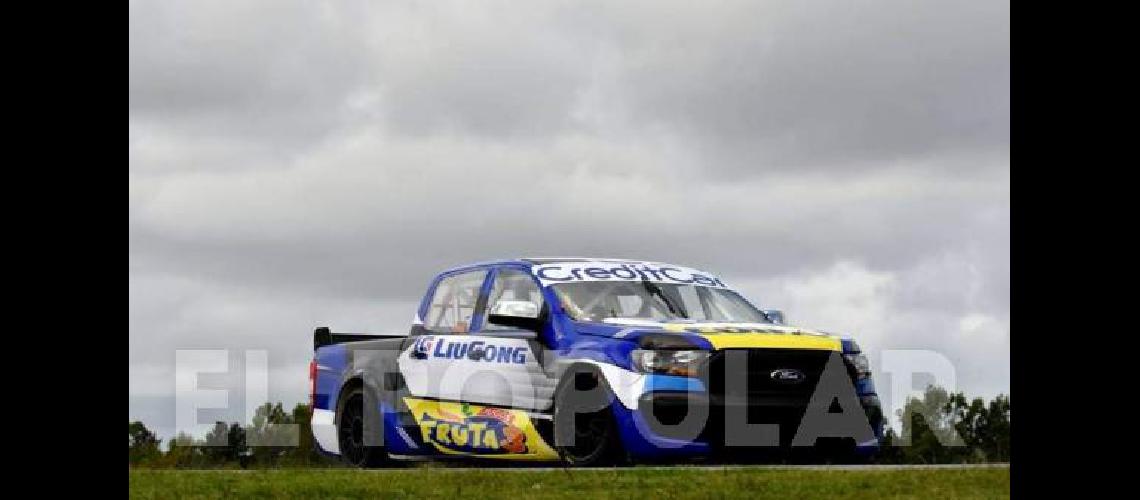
(787, 376)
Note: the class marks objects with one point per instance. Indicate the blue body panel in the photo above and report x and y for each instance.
(332, 364)
(394, 441)
(673, 383)
(640, 441)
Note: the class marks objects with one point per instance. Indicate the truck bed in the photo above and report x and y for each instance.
(322, 336)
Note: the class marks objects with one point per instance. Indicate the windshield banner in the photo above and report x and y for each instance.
(570, 272)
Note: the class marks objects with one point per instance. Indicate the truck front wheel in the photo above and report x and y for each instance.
(586, 432)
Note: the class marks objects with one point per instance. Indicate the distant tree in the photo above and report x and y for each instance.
(272, 435)
(225, 444)
(985, 428)
(305, 453)
(929, 426)
(969, 417)
(142, 444)
(237, 449)
(992, 429)
(889, 450)
(216, 444)
(185, 452)
(997, 427)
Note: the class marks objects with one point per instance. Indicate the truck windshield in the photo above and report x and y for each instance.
(599, 300)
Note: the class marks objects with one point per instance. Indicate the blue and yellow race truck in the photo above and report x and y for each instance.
(589, 362)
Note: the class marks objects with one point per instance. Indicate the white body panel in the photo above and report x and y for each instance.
(324, 430)
(506, 374)
(626, 385)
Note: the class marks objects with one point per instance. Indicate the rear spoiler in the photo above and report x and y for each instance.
(322, 336)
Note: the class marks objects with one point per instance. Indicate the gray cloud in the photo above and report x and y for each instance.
(827, 85)
(299, 164)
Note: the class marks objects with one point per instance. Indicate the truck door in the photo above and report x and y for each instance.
(461, 358)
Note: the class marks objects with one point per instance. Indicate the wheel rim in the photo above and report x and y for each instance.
(591, 434)
(351, 431)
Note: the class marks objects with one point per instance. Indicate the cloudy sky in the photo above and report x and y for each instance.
(299, 163)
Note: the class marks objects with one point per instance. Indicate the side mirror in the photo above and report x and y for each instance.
(515, 313)
(776, 315)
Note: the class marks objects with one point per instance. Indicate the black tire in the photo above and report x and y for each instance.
(596, 440)
(350, 417)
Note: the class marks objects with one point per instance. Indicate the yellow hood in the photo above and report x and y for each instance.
(723, 336)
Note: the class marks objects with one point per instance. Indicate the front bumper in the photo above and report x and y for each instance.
(668, 423)
(705, 415)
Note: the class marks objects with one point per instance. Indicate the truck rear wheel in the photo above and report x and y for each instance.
(350, 432)
(595, 434)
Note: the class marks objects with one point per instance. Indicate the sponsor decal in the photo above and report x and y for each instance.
(739, 329)
(474, 350)
(759, 337)
(771, 341)
(568, 272)
(462, 428)
(720, 328)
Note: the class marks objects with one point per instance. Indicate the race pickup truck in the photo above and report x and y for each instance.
(590, 362)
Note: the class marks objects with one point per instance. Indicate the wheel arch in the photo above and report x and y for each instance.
(350, 384)
(614, 453)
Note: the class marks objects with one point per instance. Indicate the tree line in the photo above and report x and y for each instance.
(232, 445)
(955, 430)
(940, 427)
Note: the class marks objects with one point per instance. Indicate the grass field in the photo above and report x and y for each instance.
(576, 484)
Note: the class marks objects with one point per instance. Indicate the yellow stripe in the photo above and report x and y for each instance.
(776, 341)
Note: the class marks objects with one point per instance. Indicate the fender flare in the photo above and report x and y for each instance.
(626, 386)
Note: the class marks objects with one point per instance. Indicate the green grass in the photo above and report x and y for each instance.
(576, 484)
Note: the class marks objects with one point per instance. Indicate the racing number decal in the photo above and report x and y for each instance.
(461, 428)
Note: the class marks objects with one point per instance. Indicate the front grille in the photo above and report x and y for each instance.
(750, 388)
(759, 365)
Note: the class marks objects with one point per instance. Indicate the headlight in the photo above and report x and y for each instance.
(669, 362)
(859, 362)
